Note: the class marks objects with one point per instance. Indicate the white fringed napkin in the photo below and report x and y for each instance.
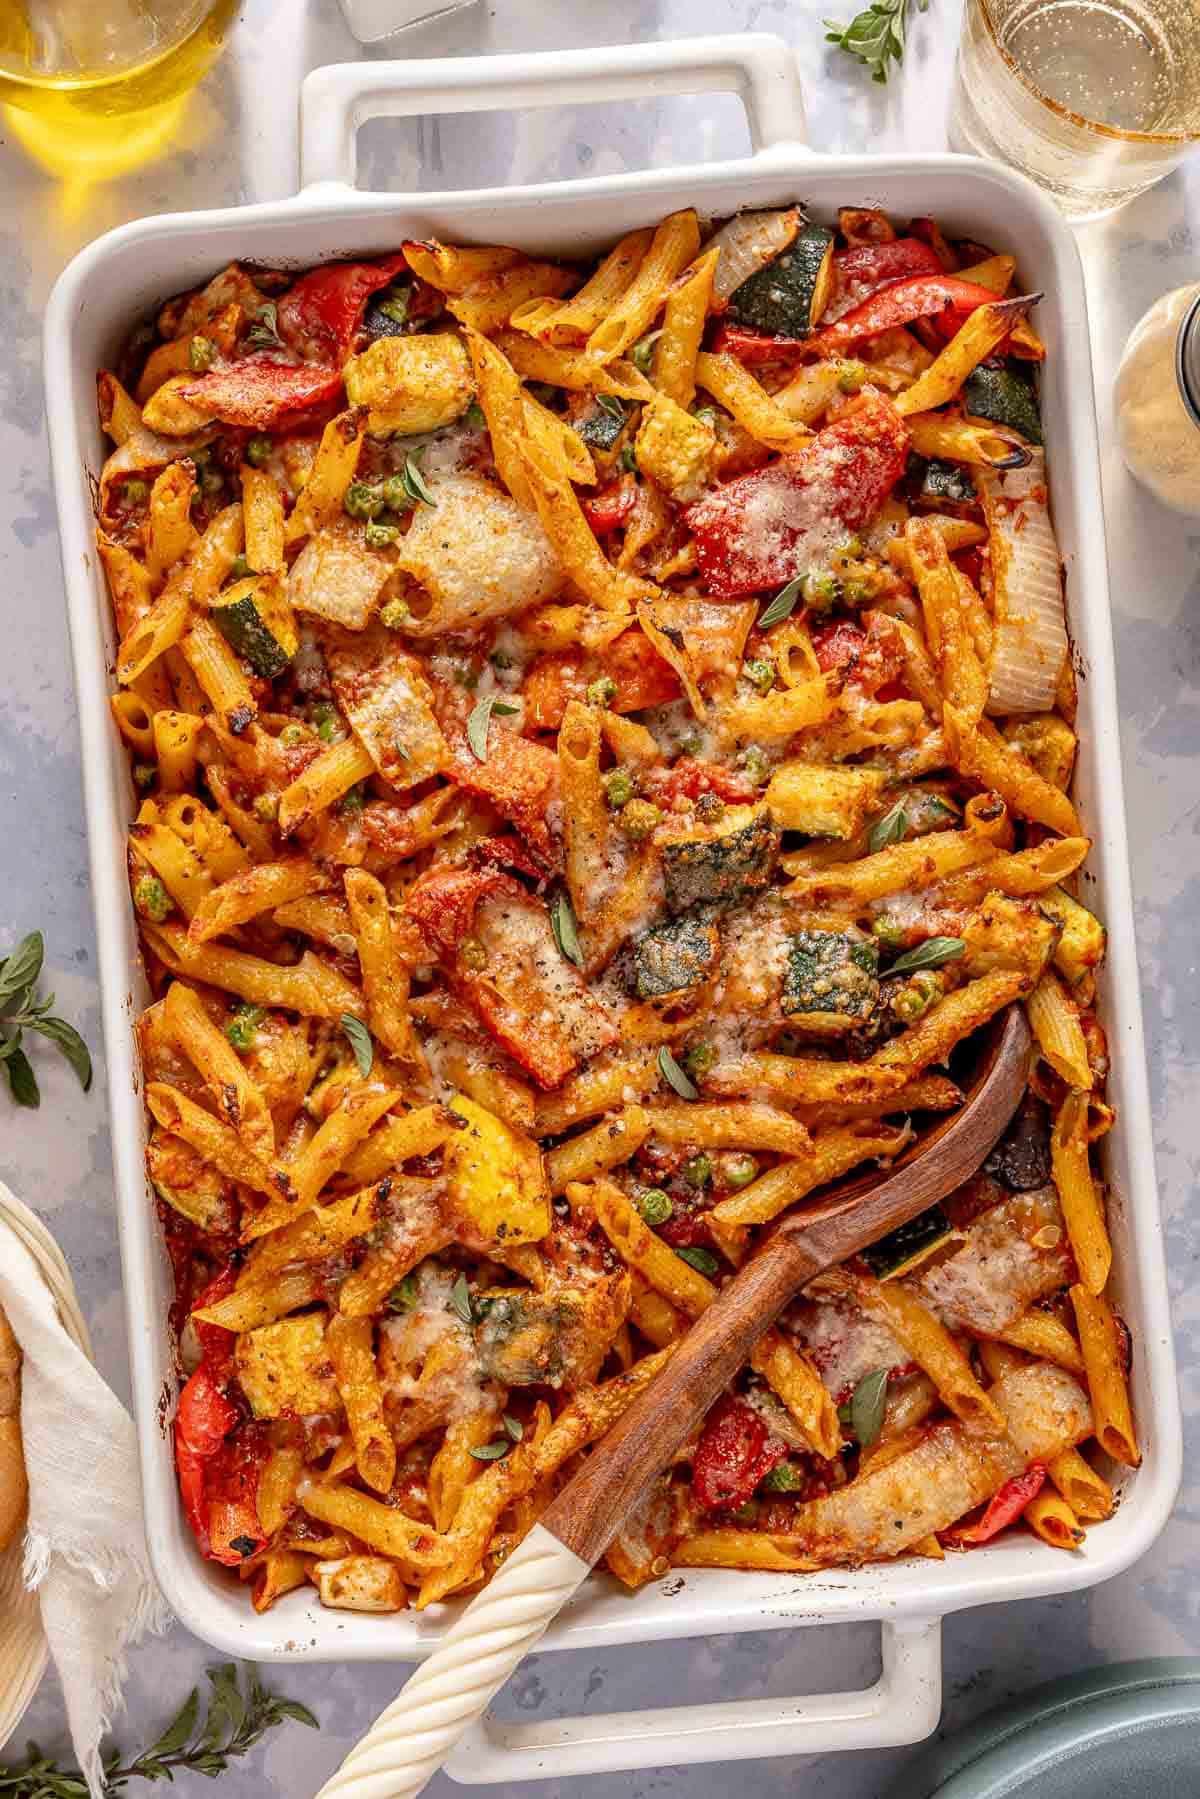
(85, 1546)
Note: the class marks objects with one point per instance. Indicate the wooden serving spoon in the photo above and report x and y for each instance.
(411, 1739)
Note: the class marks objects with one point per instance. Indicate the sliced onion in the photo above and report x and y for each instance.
(1030, 640)
(748, 242)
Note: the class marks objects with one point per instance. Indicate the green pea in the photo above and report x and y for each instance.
(202, 353)
(699, 1059)
(601, 691)
(820, 590)
(760, 673)
(152, 899)
(739, 1170)
(135, 493)
(654, 1205)
(395, 614)
(363, 500)
(379, 534)
(258, 450)
(698, 1172)
(618, 787)
(755, 766)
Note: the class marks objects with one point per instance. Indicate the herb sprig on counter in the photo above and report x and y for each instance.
(21, 1010)
(876, 35)
(239, 1715)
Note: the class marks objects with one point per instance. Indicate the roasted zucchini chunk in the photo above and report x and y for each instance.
(787, 298)
(555, 1338)
(601, 425)
(1007, 398)
(948, 481)
(831, 981)
(912, 1244)
(190, 1185)
(256, 622)
(1021, 1159)
(675, 956)
(721, 863)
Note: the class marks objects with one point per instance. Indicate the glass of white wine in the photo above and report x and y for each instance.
(1095, 100)
(98, 84)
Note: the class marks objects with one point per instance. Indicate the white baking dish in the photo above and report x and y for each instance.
(92, 306)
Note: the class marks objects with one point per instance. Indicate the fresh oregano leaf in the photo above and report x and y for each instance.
(782, 606)
(481, 718)
(492, 1452)
(460, 1300)
(22, 968)
(562, 922)
(513, 1427)
(71, 1044)
(867, 1406)
(930, 954)
(675, 1076)
(22, 1082)
(414, 483)
(360, 1042)
(889, 829)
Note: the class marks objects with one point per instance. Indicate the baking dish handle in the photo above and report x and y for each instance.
(903, 1706)
(336, 100)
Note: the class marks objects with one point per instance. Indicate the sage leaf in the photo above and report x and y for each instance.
(702, 1260)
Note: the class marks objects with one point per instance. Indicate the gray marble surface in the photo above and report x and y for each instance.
(237, 142)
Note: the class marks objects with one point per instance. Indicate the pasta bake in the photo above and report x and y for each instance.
(603, 741)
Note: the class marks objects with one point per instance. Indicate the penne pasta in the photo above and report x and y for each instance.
(585, 808)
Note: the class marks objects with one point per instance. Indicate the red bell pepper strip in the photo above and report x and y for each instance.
(765, 528)
(1004, 1507)
(215, 1341)
(442, 903)
(688, 778)
(870, 657)
(231, 1488)
(610, 506)
(519, 778)
(258, 393)
(753, 347)
(642, 679)
(735, 1452)
(203, 1421)
(871, 265)
(921, 297)
(320, 316)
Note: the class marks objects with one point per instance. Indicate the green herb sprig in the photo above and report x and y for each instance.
(876, 35)
(239, 1715)
(21, 1010)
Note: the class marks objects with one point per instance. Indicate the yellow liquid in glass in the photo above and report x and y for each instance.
(93, 88)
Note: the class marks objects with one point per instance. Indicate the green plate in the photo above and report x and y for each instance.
(1130, 1731)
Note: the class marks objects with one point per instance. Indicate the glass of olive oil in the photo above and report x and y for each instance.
(97, 84)
(1095, 100)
